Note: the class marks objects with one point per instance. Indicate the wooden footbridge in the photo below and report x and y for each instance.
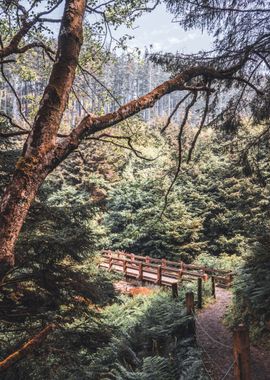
(161, 272)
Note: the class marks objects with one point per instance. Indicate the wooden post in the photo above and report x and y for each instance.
(125, 267)
(140, 276)
(190, 303)
(175, 290)
(230, 279)
(110, 263)
(163, 263)
(241, 352)
(147, 259)
(199, 293)
(132, 257)
(159, 273)
(213, 285)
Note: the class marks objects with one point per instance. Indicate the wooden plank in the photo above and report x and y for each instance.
(152, 274)
(131, 265)
(169, 262)
(153, 267)
(134, 273)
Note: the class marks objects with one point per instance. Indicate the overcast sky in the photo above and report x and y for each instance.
(157, 29)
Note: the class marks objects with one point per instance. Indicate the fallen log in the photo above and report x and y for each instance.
(26, 348)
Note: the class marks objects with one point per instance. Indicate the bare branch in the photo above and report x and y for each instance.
(248, 83)
(129, 147)
(205, 112)
(180, 153)
(11, 122)
(92, 124)
(14, 92)
(13, 46)
(168, 122)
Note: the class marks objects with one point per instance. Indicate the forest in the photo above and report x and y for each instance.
(112, 157)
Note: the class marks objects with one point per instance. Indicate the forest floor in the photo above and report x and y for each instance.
(216, 342)
(214, 338)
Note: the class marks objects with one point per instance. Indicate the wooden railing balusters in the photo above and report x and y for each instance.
(190, 303)
(159, 275)
(163, 271)
(125, 267)
(140, 276)
(110, 263)
(199, 293)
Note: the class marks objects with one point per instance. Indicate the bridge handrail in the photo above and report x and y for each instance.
(165, 270)
(164, 263)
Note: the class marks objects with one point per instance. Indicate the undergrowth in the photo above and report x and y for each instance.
(152, 339)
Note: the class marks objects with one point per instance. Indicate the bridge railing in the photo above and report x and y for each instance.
(175, 269)
(144, 270)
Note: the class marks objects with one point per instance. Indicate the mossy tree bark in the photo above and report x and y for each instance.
(35, 163)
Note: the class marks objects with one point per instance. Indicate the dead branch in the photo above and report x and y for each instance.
(102, 138)
(26, 348)
(14, 93)
(168, 122)
(11, 122)
(205, 112)
(180, 152)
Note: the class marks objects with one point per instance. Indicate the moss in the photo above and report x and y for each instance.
(27, 164)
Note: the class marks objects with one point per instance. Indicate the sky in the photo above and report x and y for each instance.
(158, 29)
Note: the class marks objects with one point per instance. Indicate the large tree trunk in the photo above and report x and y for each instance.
(14, 207)
(37, 158)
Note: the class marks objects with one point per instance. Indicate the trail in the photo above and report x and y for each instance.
(216, 342)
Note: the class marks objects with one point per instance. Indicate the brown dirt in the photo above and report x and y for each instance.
(218, 356)
(132, 289)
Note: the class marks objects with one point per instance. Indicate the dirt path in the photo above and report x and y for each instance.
(216, 341)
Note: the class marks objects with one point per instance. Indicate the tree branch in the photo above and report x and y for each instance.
(26, 348)
(92, 124)
(168, 122)
(205, 112)
(180, 153)
(13, 46)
